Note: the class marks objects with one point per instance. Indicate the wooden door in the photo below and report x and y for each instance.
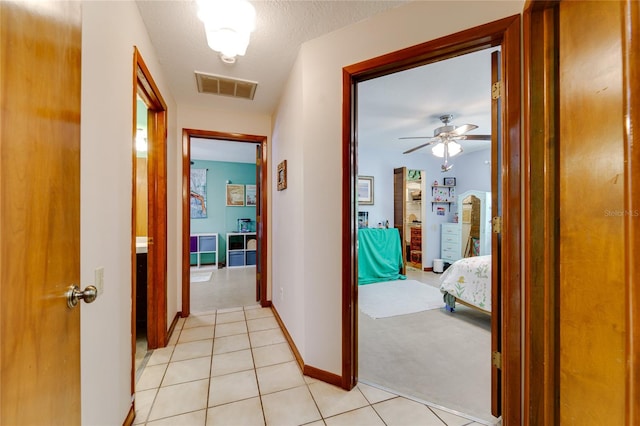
(592, 215)
(496, 243)
(40, 59)
(400, 209)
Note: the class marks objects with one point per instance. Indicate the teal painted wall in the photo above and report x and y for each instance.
(220, 218)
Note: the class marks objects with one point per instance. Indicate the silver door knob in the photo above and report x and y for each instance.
(74, 294)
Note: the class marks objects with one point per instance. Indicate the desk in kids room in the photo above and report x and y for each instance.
(379, 255)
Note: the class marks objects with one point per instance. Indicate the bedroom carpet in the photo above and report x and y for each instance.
(438, 357)
(402, 297)
(225, 288)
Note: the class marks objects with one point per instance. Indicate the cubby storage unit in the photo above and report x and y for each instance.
(241, 249)
(204, 250)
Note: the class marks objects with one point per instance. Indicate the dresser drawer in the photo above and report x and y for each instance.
(450, 229)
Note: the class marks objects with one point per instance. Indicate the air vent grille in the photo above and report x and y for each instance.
(225, 86)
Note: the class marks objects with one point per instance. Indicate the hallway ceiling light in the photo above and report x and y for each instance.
(228, 25)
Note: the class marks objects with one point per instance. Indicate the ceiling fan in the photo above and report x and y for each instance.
(445, 137)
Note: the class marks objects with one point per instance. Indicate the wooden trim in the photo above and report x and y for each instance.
(540, 214)
(131, 416)
(307, 370)
(504, 32)
(325, 376)
(429, 269)
(631, 79)
(172, 327)
(187, 134)
(287, 336)
(157, 175)
(511, 241)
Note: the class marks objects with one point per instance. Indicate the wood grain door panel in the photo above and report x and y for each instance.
(40, 212)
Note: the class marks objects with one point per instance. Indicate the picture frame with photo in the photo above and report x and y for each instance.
(235, 195)
(365, 190)
(449, 181)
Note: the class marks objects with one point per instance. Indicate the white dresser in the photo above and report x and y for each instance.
(450, 250)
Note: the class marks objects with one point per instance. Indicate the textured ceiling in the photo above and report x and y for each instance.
(281, 27)
(407, 103)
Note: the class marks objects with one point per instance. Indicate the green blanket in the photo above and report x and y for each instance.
(379, 255)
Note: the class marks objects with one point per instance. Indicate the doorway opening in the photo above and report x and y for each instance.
(223, 239)
(429, 353)
(148, 250)
(505, 194)
(224, 220)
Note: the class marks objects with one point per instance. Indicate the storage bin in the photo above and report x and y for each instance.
(236, 258)
(251, 257)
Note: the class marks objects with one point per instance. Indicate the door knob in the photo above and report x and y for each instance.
(74, 294)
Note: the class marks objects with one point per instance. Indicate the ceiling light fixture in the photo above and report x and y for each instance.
(228, 25)
(453, 148)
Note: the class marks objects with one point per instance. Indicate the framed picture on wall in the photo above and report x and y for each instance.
(282, 175)
(235, 195)
(250, 196)
(365, 190)
(450, 181)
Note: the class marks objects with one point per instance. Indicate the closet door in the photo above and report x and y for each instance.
(399, 208)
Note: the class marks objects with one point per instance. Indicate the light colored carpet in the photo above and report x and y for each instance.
(200, 277)
(402, 297)
(435, 356)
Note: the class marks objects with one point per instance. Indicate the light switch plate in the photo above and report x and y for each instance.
(99, 279)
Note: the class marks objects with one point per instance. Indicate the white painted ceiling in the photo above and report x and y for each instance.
(402, 104)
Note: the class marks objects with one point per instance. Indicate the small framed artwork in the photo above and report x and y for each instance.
(250, 195)
(235, 195)
(450, 181)
(365, 190)
(282, 175)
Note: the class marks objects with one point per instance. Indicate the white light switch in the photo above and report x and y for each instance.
(99, 279)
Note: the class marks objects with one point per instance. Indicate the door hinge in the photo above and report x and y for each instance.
(496, 224)
(258, 276)
(258, 218)
(496, 90)
(258, 162)
(496, 359)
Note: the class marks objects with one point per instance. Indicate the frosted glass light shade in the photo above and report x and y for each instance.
(228, 25)
(454, 149)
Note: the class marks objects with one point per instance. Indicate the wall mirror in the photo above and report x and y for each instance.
(474, 213)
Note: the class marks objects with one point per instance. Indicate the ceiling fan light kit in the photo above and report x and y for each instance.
(445, 137)
(228, 26)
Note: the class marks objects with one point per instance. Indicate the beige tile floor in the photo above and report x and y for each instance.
(233, 367)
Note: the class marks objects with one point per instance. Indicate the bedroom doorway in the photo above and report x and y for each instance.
(503, 355)
(224, 220)
(422, 349)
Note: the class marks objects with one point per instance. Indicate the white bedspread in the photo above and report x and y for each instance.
(469, 279)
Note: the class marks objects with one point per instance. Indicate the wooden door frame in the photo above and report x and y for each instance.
(261, 222)
(506, 33)
(145, 86)
(541, 210)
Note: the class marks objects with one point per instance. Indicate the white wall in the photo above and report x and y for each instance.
(110, 31)
(318, 115)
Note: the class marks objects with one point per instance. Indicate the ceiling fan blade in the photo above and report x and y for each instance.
(460, 130)
(477, 137)
(419, 147)
(417, 137)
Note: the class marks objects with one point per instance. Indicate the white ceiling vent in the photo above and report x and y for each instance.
(225, 86)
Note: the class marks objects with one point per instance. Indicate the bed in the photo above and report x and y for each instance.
(468, 281)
